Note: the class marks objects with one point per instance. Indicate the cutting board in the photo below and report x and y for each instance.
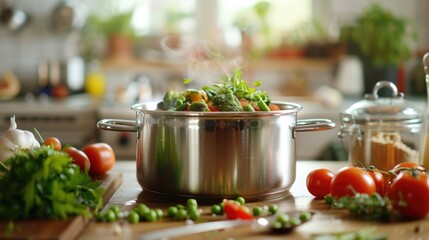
(60, 229)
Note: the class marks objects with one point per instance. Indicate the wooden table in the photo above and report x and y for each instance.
(324, 221)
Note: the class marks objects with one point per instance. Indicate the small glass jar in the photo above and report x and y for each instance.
(381, 131)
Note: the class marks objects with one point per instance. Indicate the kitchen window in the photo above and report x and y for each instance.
(206, 18)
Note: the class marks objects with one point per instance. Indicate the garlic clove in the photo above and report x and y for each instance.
(14, 140)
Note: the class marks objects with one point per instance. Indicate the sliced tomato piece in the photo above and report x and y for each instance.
(212, 109)
(234, 210)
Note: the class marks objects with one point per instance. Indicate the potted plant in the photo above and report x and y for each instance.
(381, 40)
(116, 29)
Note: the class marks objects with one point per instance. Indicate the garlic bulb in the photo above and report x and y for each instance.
(14, 140)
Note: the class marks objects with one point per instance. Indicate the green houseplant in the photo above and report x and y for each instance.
(115, 27)
(382, 41)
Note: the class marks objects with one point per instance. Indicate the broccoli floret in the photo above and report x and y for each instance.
(169, 101)
(199, 106)
(226, 101)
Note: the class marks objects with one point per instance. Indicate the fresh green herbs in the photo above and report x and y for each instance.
(42, 183)
(232, 94)
(364, 206)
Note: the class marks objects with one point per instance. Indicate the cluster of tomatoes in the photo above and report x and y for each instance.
(95, 158)
(406, 186)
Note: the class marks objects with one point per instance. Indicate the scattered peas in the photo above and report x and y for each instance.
(110, 216)
(192, 202)
(277, 225)
(142, 210)
(194, 214)
(182, 214)
(180, 206)
(216, 209)
(159, 213)
(283, 218)
(116, 210)
(151, 216)
(272, 209)
(295, 221)
(172, 211)
(257, 211)
(241, 200)
(305, 216)
(133, 217)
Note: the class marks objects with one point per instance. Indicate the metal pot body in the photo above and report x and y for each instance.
(217, 155)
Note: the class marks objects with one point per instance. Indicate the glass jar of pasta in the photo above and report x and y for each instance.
(381, 131)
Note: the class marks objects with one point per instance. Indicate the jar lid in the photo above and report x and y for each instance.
(375, 110)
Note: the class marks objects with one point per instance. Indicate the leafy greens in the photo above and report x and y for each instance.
(44, 184)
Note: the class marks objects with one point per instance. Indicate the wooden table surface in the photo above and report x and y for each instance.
(324, 221)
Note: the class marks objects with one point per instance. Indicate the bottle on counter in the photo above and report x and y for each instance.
(95, 83)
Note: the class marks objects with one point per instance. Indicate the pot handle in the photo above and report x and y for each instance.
(117, 125)
(306, 125)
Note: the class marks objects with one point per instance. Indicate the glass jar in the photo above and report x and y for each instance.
(381, 131)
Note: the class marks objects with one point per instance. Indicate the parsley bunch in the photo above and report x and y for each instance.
(42, 183)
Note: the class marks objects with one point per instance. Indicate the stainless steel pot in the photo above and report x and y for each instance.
(216, 154)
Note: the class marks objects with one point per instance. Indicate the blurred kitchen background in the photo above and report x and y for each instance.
(65, 64)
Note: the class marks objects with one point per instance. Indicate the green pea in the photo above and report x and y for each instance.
(277, 225)
(116, 210)
(272, 209)
(305, 216)
(159, 213)
(110, 216)
(133, 217)
(180, 206)
(194, 214)
(295, 221)
(151, 216)
(216, 209)
(182, 214)
(142, 210)
(283, 218)
(257, 211)
(192, 202)
(241, 200)
(172, 211)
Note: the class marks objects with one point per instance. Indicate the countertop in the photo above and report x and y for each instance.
(324, 221)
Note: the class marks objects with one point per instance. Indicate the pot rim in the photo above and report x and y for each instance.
(151, 108)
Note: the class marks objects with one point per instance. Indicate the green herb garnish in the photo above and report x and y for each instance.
(43, 184)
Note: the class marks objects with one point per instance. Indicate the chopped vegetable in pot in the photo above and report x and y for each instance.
(233, 94)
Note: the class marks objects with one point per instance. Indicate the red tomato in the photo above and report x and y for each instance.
(350, 180)
(79, 158)
(234, 210)
(380, 184)
(212, 109)
(409, 193)
(101, 157)
(319, 182)
(53, 142)
(407, 166)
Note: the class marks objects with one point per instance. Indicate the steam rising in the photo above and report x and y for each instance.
(204, 61)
